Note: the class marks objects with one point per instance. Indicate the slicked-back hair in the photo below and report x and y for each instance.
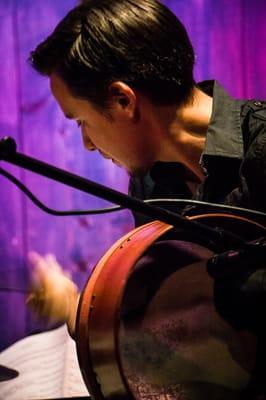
(138, 42)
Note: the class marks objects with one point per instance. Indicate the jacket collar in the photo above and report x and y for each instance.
(224, 135)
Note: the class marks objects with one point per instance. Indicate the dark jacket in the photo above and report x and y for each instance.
(234, 159)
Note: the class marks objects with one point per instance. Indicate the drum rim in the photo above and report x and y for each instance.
(144, 236)
(86, 316)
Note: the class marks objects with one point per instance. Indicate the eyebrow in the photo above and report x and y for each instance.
(69, 116)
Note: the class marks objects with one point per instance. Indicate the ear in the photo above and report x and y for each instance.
(123, 98)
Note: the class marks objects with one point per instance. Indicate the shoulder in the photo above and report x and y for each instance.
(253, 117)
(253, 120)
(254, 163)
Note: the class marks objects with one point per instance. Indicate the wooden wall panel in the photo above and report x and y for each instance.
(228, 38)
(12, 239)
(42, 132)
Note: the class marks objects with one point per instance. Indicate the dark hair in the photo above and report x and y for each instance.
(140, 42)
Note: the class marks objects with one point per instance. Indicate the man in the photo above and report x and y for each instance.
(128, 83)
(123, 70)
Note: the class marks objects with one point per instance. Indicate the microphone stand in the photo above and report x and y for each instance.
(8, 152)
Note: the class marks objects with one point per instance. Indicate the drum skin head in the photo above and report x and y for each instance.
(174, 345)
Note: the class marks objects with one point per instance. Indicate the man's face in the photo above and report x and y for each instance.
(119, 136)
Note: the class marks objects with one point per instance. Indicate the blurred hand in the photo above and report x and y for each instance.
(54, 295)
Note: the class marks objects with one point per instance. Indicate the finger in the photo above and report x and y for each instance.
(34, 257)
(68, 275)
(37, 277)
(53, 264)
(30, 299)
(38, 263)
(42, 272)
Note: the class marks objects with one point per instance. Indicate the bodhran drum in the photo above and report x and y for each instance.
(147, 326)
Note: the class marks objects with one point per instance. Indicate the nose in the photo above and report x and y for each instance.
(88, 144)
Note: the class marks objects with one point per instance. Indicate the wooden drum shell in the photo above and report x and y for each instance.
(97, 333)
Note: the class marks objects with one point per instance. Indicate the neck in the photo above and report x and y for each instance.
(183, 131)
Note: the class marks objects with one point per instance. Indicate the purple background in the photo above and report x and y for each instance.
(229, 39)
